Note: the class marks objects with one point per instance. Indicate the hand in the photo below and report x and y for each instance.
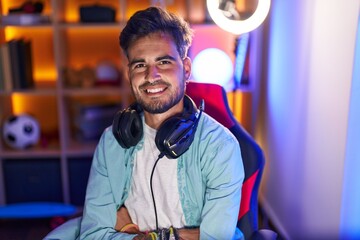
(141, 237)
(123, 218)
(189, 233)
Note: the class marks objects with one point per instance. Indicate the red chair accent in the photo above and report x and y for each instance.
(217, 106)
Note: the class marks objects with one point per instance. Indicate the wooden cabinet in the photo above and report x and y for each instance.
(63, 49)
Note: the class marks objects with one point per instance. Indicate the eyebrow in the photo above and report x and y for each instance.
(141, 60)
(166, 57)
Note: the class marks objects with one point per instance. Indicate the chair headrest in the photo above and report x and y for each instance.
(216, 103)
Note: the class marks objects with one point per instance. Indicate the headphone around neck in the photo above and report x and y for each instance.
(174, 135)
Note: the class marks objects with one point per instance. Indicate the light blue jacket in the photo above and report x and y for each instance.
(210, 176)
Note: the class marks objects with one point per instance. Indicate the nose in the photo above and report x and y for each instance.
(153, 74)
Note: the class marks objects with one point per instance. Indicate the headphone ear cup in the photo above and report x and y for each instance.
(175, 136)
(127, 128)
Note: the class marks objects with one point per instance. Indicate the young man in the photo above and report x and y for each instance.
(138, 188)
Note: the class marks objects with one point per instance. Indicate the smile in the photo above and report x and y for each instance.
(154, 90)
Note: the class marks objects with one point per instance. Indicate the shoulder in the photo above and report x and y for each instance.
(107, 138)
(209, 127)
(217, 149)
(108, 147)
(211, 138)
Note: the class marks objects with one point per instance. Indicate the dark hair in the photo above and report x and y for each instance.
(156, 19)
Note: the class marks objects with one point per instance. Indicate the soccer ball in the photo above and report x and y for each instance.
(21, 131)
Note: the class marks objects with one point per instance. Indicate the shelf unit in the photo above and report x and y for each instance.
(59, 164)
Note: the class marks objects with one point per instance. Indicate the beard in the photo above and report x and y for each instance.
(158, 105)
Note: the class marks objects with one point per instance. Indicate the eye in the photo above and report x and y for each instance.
(163, 62)
(139, 65)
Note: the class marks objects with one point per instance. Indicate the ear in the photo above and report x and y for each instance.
(187, 67)
(128, 74)
(126, 68)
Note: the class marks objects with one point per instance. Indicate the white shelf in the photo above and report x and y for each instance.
(58, 40)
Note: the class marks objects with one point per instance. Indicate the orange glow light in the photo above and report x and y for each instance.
(18, 103)
(45, 75)
(43, 109)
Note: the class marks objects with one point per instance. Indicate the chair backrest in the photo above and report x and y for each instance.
(217, 106)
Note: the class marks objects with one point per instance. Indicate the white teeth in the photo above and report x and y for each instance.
(155, 90)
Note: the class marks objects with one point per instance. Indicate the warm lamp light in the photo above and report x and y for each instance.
(238, 26)
(212, 65)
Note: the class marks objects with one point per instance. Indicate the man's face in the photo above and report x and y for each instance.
(157, 73)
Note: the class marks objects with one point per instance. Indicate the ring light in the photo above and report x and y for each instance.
(238, 26)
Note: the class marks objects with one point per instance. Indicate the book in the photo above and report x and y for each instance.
(25, 64)
(14, 63)
(6, 65)
(29, 73)
(2, 81)
(21, 64)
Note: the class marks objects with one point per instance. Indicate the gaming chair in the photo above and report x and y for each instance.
(217, 106)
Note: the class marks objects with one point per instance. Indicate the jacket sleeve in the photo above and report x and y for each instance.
(99, 216)
(224, 175)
